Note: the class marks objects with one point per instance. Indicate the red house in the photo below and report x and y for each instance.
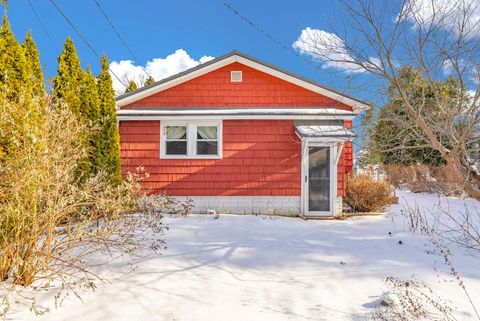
(238, 135)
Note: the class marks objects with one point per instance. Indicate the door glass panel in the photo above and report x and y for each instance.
(319, 179)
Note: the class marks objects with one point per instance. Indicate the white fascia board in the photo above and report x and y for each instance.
(356, 106)
(233, 117)
(237, 113)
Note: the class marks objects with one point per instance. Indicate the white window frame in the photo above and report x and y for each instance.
(191, 138)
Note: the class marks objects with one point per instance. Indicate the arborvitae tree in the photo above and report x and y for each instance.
(150, 80)
(13, 66)
(35, 72)
(16, 87)
(90, 114)
(132, 85)
(89, 96)
(108, 140)
(67, 83)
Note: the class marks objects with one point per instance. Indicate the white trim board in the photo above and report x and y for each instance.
(356, 105)
(312, 113)
(233, 117)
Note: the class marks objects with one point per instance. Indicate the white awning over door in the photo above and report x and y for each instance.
(324, 133)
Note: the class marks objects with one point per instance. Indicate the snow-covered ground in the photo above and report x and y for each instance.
(271, 268)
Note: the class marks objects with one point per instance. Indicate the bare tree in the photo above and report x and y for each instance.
(435, 38)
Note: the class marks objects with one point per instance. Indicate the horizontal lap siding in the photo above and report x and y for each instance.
(260, 158)
(257, 89)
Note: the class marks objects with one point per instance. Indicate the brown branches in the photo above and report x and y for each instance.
(440, 41)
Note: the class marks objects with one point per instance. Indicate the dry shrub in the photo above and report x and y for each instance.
(51, 224)
(423, 178)
(442, 226)
(365, 194)
(411, 300)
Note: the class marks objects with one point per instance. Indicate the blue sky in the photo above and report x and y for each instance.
(156, 29)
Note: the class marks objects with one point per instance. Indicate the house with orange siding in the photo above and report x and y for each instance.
(238, 135)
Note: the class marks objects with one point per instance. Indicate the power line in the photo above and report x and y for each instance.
(273, 39)
(262, 31)
(43, 26)
(83, 38)
(119, 36)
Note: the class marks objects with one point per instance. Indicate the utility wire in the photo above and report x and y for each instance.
(84, 39)
(262, 31)
(43, 26)
(273, 39)
(119, 36)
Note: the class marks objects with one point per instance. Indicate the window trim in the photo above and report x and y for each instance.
(191, 138)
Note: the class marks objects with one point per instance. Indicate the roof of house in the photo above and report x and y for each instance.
(236, 56)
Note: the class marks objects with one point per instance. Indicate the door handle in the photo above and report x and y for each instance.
(306, 178)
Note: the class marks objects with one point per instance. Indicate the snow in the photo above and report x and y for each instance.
(272, 268)
(323, 131)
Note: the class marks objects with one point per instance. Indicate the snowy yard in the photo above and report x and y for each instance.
(270, 268)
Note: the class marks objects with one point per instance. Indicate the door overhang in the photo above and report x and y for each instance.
(332, 135)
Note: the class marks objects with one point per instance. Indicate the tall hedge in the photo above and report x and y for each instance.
(13, 65)
(34, 68)
(16, 87)
(108, 140)
(90, 111)
(67, 83)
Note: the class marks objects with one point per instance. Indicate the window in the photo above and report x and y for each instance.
(176, 140)
(191, 139)
(207, 141)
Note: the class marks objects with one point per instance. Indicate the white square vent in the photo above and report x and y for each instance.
(236, 76)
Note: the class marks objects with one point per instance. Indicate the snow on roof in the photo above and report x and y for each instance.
(324, 131)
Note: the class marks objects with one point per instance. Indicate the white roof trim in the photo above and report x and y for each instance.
(356, 105)
(236, 113)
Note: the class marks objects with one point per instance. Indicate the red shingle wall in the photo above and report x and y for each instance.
(260, 158)
(345, 163)
(257, 89)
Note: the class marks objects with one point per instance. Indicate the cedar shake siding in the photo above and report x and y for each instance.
(240, 146)
(260, 158)
(257, 89)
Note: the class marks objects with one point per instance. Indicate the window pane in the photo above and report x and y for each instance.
(176, 148)
(206, 132)
(176, 132)
(207, 148)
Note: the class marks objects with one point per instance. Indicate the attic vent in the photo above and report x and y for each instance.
(236, 76)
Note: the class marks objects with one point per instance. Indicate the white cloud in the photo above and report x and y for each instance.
(159, 68)
(448, 14)
(328, 48)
